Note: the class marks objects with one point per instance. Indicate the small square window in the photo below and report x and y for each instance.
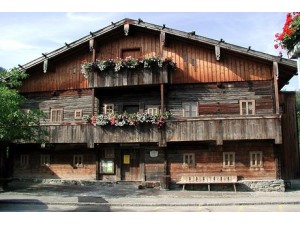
(45, 160)
(78, 114)
(109, 109)
(24, 160)
(256, 159)
(153, 110)
(78, 161)
(189, 159)
(109, 153)
(190, 109)
(228, 159)
(56, 115)
(247, 107)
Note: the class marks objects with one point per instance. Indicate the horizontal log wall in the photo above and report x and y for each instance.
(214, 100)
(154, 166)
(141, 97)
(69, 101)
(209, 160)
(61, 164)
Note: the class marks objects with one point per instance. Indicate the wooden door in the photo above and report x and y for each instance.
(130, 165)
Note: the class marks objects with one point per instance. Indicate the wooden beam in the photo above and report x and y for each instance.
(276, 77)
(93, 101)
(126, 29)
(162, 42)
(162, 98)
(217, 52)
(45, 65)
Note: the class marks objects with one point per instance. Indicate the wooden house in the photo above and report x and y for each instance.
(228, 115)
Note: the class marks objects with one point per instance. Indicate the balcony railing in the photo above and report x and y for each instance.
(216, 129)
(128, 77)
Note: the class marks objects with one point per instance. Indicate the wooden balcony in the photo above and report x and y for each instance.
(86, 133)
(216, 129)
(225, 129)
(127, 77)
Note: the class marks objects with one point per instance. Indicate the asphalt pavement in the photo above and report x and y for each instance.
(119, 194)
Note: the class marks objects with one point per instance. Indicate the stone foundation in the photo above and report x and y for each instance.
(261, 185)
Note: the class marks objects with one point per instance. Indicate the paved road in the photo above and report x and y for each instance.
(40, 207)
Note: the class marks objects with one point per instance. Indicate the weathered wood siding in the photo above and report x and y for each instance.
(290, 146)
(61, 163)
(140, 97)
(198, 64)
(195, 63)
(154, 166)
(213, 100)
(112, 48)
(64, 74)
(225, 129)
(128, 77)
(69, 101)
(209, 160)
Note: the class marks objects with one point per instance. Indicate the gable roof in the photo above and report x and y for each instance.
(290, 64)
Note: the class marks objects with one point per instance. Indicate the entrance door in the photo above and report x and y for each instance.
(130, 170)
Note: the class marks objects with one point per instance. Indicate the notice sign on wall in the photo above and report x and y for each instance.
(126, 159)
(107, 166)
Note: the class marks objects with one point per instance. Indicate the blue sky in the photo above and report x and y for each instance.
(25, 35)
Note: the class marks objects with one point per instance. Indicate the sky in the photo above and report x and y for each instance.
(26, 33)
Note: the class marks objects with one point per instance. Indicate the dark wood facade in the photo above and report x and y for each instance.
(218, 79)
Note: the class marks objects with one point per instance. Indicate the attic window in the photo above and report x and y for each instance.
(133, 52)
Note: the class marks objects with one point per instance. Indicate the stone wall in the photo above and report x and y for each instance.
(261, 185)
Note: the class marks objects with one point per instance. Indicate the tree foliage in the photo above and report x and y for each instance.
(16, 124)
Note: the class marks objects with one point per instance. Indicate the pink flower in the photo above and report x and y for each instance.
(276, 46)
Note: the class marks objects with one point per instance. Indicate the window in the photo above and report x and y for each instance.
(152, 110)
(109, 153)
(228, 159)
(133, 52)
(24, 160)
(109, 109)
(131, 108)
(190, 109)
(78, 114)
(78, 161)
(189, 159)
(256, 159)
(56, 115)
(45, 160)
(247, 107)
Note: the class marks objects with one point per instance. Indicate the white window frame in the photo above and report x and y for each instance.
(76, 116)
(188, 160)
(24, 160)
(190, 105)
(45, 159)
(257, 161)
(228, 159)
(56, 111)
(152, 110)
(76, 159)
(109, 111)
(247, 107)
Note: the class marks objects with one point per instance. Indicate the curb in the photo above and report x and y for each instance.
(148, 204)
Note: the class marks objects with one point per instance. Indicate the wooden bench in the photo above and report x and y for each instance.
(208, 179)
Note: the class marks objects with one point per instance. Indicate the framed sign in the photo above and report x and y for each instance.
(126, 159)
(107, 166)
